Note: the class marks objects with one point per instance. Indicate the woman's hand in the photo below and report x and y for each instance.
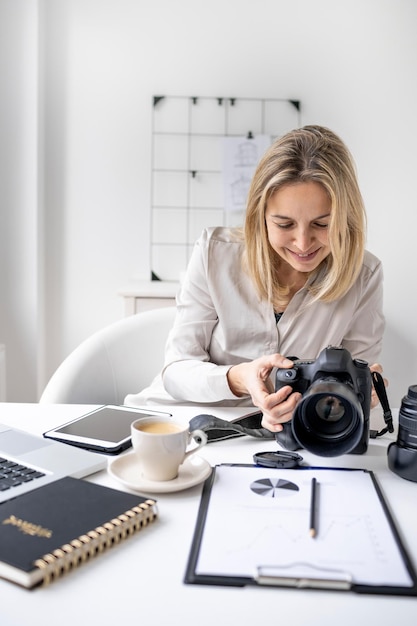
(376, 367)
(253, 379)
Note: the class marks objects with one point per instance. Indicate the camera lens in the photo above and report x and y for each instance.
(407, 419)
(330, 408)
(329, 419)
(402, 454)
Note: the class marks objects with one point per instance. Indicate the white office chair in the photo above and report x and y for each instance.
(121, 358)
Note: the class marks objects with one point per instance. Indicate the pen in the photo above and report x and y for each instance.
(313, 525)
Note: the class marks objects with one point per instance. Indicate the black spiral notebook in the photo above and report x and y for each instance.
(316, 528)
(56, 528)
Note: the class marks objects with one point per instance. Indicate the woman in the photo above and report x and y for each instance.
(295, 281)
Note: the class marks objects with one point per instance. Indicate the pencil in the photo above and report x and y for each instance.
(313, 525)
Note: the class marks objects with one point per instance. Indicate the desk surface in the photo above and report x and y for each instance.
(141, 579)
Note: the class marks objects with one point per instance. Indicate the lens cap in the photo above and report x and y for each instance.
(278, 459)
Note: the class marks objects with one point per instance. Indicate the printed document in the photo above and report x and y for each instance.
(258, 523)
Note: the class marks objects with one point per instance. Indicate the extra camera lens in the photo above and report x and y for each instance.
(402, 454)
(407, 419)
(329, 419)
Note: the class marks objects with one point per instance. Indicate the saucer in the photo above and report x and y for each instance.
(125, 469)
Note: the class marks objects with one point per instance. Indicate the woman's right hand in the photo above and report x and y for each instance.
(253, 379)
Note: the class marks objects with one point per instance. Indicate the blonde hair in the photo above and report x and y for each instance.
(311, 153)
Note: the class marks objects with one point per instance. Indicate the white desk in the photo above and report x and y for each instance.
(140, 580)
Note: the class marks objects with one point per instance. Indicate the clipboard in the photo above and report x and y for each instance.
(253, 528)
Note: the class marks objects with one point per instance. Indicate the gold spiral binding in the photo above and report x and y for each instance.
(72, 554)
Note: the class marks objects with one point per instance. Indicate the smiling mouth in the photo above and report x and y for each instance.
(303, 257)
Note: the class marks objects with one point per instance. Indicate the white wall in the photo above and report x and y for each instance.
(352, 63)
(19, 267)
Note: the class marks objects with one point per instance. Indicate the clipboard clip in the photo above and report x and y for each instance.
(303, 576)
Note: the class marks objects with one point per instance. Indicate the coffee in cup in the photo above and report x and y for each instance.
(160, 428)
(162, 445)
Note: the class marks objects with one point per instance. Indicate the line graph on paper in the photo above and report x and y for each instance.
(346, 539)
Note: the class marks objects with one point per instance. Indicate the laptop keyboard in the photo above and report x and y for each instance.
(13, 474)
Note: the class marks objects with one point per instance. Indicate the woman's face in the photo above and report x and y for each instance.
(297, 220)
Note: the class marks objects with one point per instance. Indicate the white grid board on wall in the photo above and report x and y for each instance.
(187, 167)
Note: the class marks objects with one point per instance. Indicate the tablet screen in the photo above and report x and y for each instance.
(110, 424)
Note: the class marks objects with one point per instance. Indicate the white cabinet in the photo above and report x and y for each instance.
(147, 294)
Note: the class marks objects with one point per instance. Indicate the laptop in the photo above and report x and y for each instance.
(28, 462)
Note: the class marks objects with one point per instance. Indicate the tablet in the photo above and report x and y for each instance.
(106, 429)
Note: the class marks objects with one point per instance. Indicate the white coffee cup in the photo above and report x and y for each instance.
(161, 446)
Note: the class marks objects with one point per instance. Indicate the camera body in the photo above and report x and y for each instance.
(332, 417)
(402, 454)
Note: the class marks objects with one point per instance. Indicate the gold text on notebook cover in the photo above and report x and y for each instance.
(28, 528)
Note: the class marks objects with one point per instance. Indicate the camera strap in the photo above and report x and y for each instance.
(218, 429)
(381, 392)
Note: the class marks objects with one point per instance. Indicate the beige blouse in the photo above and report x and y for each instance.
(221, 321)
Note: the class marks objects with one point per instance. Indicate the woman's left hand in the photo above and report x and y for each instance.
(376, 367)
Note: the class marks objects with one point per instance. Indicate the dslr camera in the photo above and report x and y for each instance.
(332, 416)
(402, 454)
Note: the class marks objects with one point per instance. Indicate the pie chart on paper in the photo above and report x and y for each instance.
(274, 487)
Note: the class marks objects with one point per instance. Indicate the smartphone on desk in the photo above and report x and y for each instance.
(106, 429)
